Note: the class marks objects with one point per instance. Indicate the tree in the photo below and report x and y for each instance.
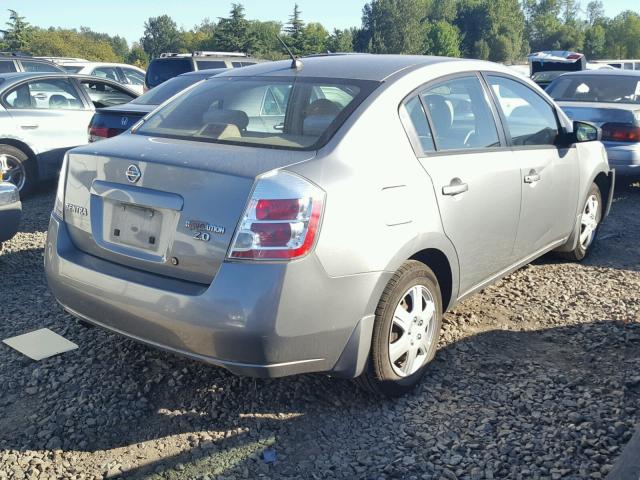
(314, 39)
(595, 12)
(18, 34)
(265, 38)
(295, 31)
(58, 42)
(446, 10)
(395, 26)
(160, 35)
(233, 34)
(443, 39)
(595, 42)
(341, 40)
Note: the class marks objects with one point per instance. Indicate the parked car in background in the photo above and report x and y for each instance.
(43, 115)
(277, 220)
(170, 65)
(20, 62)
(130, 76)
(611, 100)
(627, 64)
(111, 121)
(547, 65)
(10, 210)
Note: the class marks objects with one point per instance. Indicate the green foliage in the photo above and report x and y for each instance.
(594, 42)
(442, 39)
(58, 42)
(234, 34)
(17, 35)
(341, 40)
(395, 26)
(160, 35)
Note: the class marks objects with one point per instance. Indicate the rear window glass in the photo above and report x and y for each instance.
(205, 64)
(71, 68)
(31, 66)
(242, 64)
(167, 90)
(596, 88)
(299, 114)
(162, 69)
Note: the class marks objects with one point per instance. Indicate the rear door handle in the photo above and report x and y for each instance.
(456, 187)
(533, 177)
(29, 127)
(40, 96)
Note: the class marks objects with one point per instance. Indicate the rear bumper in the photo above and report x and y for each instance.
(625, 158)
(265, 319)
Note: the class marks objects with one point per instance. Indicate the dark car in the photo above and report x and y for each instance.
(111, 121)
(10, 210)
(548, 65)
(20, 62)
(170, 65)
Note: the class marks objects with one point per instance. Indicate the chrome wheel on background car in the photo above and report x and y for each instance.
(411, 333)
(405, 331)
(12, 170)
(589, 221)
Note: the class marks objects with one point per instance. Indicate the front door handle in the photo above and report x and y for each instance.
(40, 96)
(456, 187)
(533, 177)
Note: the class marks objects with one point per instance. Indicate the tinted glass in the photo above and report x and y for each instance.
(242, 64)
(103, 94)
(134, 77)
(71, 68)
(7, 66)
(415, 119)
(167, 90)
(460, 115)
(55, 93)
(204, 64)
(31, 66)
(596, 88)
(530, 119)
(162, 69)
(276, 112)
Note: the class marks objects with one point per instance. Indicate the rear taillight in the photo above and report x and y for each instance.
(281, 221)
(620, 132)
(58, 206)
(100, 133)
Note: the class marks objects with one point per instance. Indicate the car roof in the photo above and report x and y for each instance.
(605, 71)
(358, 66)
(204, 73)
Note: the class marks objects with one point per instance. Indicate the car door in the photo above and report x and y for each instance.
(476, 182)
(549, 174)
(50, 114)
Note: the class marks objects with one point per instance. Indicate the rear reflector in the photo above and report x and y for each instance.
(620, 132)
(281, 221)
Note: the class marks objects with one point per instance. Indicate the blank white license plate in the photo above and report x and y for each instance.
(135, 226)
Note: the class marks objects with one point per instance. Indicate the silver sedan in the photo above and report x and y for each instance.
(321, 215)
(42, 115)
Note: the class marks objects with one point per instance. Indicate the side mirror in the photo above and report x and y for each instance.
(585, 132)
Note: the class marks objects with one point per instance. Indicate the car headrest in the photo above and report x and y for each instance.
(230, 117)
(322, 106)
(58, 101)
(441, 111)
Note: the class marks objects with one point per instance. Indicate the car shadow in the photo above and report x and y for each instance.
(475, 390)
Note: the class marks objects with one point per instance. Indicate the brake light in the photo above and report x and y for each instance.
(620, 132)
(100, 133)
(281, 220)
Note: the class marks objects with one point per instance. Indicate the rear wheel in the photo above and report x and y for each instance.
(406, 331)
(589, 222)
(18, 168)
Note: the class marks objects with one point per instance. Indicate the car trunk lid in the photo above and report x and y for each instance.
(601, 113)
(165, 206)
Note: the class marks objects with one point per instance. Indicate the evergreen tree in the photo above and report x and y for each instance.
(233, 34)
(295, 32)
(160, 35)
(18, 33)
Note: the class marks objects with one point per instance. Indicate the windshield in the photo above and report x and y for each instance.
(167, 90)
(597, 88)
(276, 112)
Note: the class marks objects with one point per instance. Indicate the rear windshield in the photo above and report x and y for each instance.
(278, 112)
(596, 88)
(71, 68)
(162, 69)
(168, 89)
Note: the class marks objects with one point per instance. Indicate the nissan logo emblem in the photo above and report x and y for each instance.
(133, 173)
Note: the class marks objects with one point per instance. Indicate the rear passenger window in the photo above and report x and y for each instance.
(530, 119)
(460, 115)
(206, 64)
(415, 119)
(7, 66)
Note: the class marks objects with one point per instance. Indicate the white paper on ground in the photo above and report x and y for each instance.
(40, 344)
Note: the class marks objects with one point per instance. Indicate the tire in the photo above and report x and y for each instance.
(590, 221)
(389, 378)
(19, 167)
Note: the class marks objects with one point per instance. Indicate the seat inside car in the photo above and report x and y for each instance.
(58, 101)
(318, 116)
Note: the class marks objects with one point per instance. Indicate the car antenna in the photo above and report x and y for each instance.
(296, 64)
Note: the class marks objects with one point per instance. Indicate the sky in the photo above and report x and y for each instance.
(126, 18)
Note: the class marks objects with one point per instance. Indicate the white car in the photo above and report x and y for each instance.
(132, 77)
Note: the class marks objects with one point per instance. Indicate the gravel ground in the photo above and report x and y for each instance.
(536, 377)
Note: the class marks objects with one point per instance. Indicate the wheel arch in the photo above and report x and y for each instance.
(19, 144)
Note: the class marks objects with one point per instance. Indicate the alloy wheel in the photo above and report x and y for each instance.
(589, 221)
(12, 170)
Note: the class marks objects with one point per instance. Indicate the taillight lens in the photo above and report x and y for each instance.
(281, 221)
(58, 206)
(100, 133)
(620, 132)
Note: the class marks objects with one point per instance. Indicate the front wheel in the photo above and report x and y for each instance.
(406, 331)
(590, 219)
